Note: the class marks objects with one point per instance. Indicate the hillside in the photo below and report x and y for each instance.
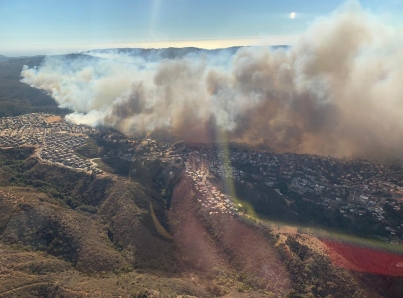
(58, 225)
(17, 98)
(67, 233)
(3, 58)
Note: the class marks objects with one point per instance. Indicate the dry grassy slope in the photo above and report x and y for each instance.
(118, 237)
(81, 187)
(35, 222)
(243, 259)
(25, 272)
(21, 270)
(119, 245)
(131, 227)
(120, 215)
(230, 256)
(35, 274)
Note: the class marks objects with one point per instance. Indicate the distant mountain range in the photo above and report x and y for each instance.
(4, 58)
(168, 53)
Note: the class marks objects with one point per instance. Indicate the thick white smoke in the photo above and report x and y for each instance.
(338, 90)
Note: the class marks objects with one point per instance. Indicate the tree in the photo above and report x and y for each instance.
(283, 187)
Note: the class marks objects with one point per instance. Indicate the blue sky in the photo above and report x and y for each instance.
(30, 27)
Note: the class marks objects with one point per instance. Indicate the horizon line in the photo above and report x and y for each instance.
(207, 44)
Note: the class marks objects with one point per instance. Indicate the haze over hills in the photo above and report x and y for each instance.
(17, 98)
(3, 58)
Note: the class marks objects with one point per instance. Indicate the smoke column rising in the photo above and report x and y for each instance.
(337, 91)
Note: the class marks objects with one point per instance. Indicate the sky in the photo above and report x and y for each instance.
(49, 27)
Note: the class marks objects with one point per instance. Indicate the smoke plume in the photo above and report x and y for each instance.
(338, 90)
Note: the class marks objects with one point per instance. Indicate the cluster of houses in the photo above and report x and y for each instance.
(354, 187)
(30, 139)
(58, 148)
(140, 148)
(22, 130)
(54, 138)
(211, 200)
(27, 120)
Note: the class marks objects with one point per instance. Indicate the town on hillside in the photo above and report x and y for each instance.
(355, 189)
(52, 136)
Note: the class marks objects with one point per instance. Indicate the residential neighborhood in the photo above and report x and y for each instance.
(53, 137)
(353, 188)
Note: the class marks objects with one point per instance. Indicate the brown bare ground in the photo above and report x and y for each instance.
(52, 119)
(219, 240)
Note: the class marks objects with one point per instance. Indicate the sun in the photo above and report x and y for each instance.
(292, 15)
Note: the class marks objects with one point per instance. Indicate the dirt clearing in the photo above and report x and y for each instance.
(52, 119)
